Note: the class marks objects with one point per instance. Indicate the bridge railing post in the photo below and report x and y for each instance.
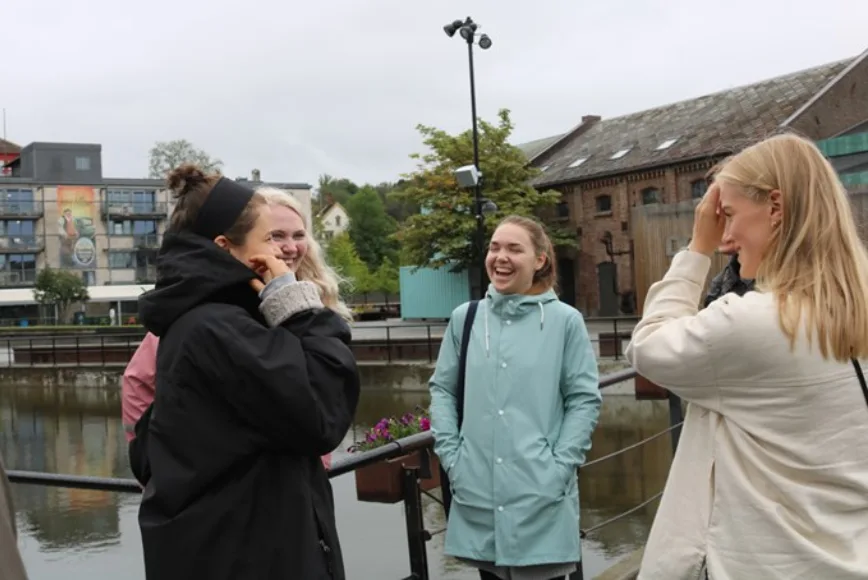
(417, 536)
(676, 417)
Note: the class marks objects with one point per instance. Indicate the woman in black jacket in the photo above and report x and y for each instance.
(255, 381)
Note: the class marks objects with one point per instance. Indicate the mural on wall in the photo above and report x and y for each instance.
(76, 226)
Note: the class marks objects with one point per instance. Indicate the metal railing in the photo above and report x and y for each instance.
(417, 534)
(114, 346)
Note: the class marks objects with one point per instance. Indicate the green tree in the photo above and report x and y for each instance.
(387, 278)
(342, 256)
(59, 288)
(167, 155)
(399, 209)
(371, 228)
(443, 236)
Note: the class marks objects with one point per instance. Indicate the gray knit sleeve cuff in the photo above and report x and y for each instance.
(286, 301)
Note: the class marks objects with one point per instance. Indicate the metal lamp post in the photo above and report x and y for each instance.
(470, 175)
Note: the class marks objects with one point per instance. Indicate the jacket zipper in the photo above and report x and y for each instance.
(327, 552)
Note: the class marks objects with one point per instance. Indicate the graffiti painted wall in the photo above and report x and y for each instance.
(76, 226)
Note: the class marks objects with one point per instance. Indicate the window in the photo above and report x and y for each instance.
(133, 228)
(338, 221)
(138, 201)
(563, 209)
(89, 277)
(17, 269)
(650, 195)
(17, 228)
(17, 201)
(621, 153)
(578, 161)
(666, 144)
(604, 203)
(121, 260)
(82, 163)
(697, 188)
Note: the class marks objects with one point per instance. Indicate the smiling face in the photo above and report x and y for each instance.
(289, 235)
(512, 260)
(749, 225)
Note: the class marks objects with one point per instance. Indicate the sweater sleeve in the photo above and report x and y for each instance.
(672, 344)
(138, 384)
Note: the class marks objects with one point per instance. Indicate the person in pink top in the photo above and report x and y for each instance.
(297, 247)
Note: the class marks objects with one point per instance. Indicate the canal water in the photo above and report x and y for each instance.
(82, 534)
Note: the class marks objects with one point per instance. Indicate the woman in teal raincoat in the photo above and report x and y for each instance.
(531, 404)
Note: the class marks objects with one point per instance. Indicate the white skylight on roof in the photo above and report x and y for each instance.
(578, 161)
(667, 144)
(621, 153)
(544, 167)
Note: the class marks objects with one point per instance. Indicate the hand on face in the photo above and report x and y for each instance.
(708, 223)
(269, 267)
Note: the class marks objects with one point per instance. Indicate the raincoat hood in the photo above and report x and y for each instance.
(193, 270)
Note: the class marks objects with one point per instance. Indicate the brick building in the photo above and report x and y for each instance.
(606, 168)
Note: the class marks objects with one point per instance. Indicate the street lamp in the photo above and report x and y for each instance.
(470, 175)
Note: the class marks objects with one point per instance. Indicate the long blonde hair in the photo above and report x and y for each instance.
(816, 265)
(313, 266)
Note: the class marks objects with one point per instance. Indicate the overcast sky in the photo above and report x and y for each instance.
(298, 89)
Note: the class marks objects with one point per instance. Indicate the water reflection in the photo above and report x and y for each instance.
(67, 430)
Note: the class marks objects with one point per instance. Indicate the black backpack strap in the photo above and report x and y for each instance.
(462, 358)
(445, 487)
(861, 376)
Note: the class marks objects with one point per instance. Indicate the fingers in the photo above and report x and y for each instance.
(257, 285)
(268, 261)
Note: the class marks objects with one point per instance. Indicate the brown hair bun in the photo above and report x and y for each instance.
(184, 179)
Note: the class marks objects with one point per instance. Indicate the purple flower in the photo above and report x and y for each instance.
(424, 423)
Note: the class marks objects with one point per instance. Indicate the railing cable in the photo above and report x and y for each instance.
(583, 533)
(633, 446)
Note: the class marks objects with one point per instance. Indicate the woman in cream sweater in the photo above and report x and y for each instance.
(770, 480)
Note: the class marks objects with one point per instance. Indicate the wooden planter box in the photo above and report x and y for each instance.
(382, 482)
(648, 391)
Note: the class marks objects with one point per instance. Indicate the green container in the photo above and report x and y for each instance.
(432, 294)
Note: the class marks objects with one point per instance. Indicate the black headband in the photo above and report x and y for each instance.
(221, 208)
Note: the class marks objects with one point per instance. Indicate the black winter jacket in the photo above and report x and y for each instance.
(246, 403)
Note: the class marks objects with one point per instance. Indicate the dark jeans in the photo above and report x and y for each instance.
(577, 575)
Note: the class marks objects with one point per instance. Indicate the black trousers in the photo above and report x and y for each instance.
(577, 575)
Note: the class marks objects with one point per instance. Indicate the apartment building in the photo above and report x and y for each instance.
(57, 210)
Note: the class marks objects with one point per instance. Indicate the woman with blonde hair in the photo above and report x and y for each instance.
(770, 480)
(256, 381)
(291, 234)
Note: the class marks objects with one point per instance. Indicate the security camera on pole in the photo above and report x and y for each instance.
(470, 175)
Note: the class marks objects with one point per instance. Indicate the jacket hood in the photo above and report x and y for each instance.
(514, 305)
(193, 270)
(518, 303)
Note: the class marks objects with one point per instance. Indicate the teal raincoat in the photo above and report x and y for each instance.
(532, 400)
